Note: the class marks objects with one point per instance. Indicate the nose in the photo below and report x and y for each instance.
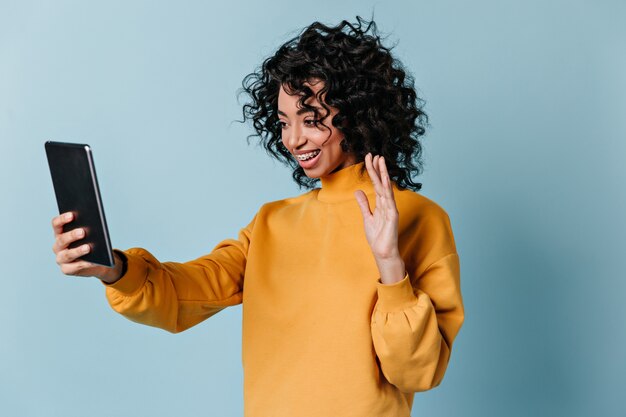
(295, 137)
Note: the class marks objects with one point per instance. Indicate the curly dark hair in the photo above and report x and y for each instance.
(378, 108)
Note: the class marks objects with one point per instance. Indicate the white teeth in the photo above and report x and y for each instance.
(306, 156)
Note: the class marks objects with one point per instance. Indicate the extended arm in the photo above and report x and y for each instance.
(169, 295)
(176, 296)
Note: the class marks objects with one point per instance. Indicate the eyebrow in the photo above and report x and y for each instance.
(299, 112)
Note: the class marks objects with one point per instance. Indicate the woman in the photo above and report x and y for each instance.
(351, 294)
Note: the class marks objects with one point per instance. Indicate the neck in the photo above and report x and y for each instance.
(341, 185)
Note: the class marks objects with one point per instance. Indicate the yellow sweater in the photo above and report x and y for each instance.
(322, 336)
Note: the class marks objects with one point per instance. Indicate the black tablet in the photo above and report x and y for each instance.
(76, 188)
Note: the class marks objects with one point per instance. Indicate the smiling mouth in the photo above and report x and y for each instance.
(307, 156)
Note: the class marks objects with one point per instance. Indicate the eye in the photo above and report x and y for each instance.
(283, 125)
(311, 122)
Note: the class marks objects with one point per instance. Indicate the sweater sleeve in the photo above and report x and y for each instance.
(176, 296)
(414, 325)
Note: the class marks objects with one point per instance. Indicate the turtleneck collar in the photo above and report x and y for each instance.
(341, 185)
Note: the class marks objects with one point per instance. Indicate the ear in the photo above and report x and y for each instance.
(345, 146)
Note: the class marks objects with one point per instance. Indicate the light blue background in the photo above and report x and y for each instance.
(526, 153)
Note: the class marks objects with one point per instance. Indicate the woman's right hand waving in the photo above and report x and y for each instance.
(68, 258)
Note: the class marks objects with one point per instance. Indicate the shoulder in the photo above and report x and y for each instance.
(272, 210)
(425, 220)
(417, 205)
(277, 205)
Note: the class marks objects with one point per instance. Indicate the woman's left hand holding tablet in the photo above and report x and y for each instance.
(381, 226)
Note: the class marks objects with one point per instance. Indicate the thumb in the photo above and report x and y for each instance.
(363, 203)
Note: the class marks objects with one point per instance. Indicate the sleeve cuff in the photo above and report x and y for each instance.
(396, 296)
(135, 276)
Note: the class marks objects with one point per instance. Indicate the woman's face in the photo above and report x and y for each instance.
(317, 150)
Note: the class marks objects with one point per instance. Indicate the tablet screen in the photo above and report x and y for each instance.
(76, 189)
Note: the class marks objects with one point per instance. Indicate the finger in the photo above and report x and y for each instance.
(370, 164)
(364, 204)
(388, 203)
(375, 165)
(386, 180)
(381, 193)
(65, 239)
(59, 221)
(70, 255)
(75, 268)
